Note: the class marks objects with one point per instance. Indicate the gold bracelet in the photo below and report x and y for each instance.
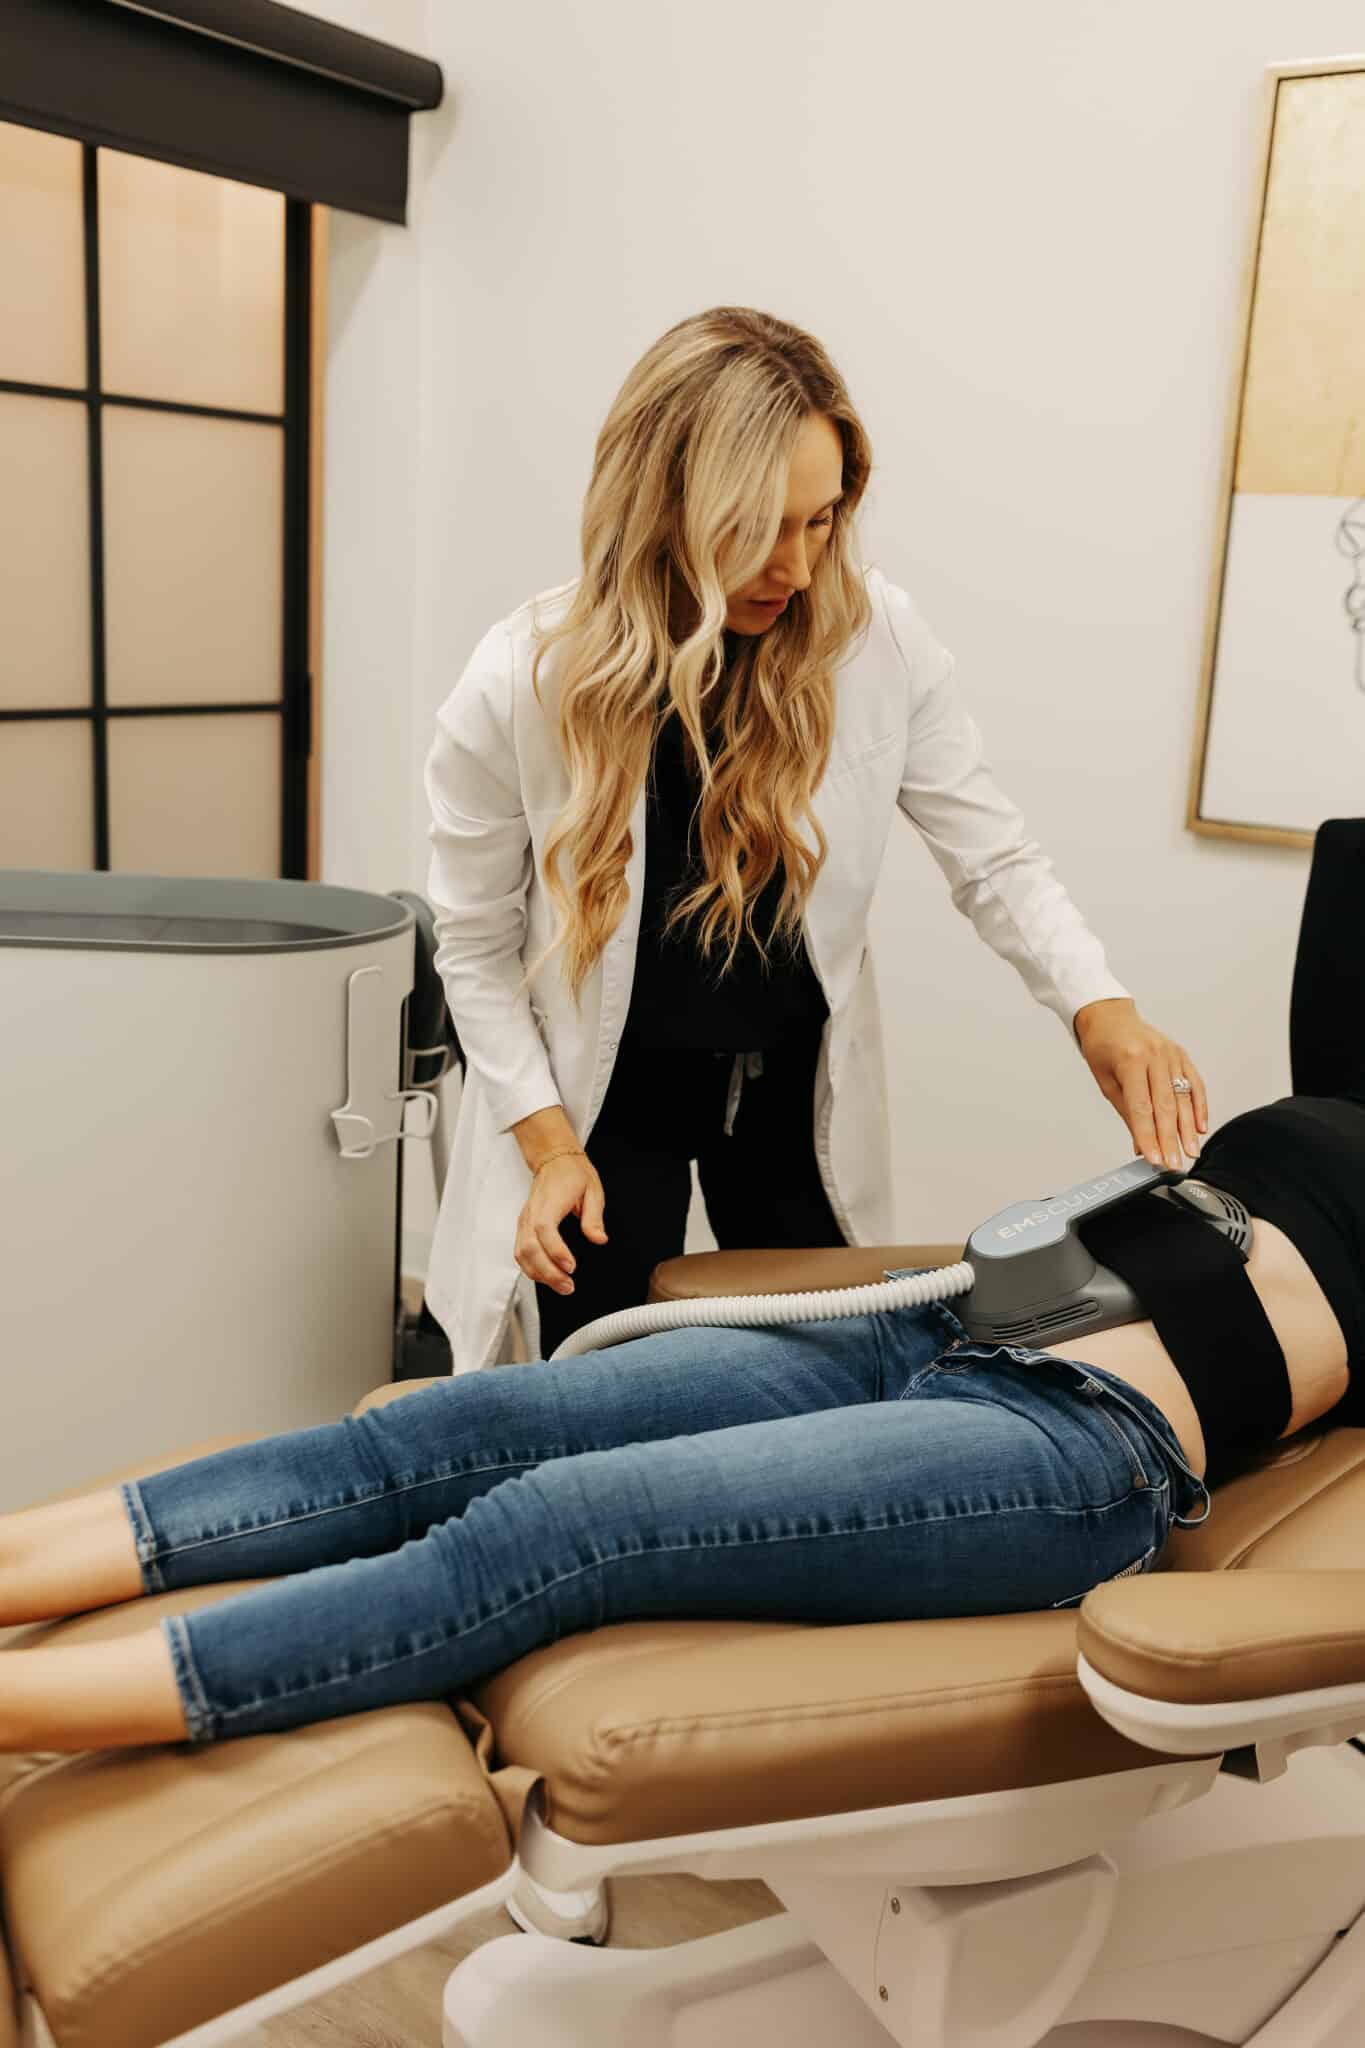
(567, 1152)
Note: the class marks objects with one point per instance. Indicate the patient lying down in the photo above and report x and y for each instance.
(877, 1468)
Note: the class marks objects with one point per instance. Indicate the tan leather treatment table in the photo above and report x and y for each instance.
(1137, 1826)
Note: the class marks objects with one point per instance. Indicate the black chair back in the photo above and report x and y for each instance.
(1327, 999)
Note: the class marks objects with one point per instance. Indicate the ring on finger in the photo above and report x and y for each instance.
(1180, 1085)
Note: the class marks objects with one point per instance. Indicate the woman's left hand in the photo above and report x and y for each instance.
(1134, 1066)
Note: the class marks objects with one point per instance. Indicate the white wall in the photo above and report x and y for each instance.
(1020, 231)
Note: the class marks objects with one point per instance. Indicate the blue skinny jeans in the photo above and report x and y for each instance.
(872, 1469)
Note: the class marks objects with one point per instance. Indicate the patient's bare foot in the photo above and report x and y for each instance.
(67, 1556)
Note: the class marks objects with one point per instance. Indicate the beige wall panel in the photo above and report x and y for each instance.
(194, 513)
(44, 553)
(42, 258)
(191, 286)
(195, 796)
(1303, 420)
(47, 804)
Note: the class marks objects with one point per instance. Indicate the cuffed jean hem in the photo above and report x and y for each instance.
(199, 1716)
(143, 1537)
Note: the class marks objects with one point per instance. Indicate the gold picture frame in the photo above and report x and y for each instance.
(1280, 730)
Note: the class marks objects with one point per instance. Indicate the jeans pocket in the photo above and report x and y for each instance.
(1136, 1570)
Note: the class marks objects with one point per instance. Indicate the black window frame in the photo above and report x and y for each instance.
(295, 700)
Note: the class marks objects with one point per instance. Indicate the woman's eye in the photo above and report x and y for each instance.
(827, 520)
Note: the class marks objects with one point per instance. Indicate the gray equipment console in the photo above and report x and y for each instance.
(1035, 1282)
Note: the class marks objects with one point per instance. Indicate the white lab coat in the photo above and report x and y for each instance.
(496, 783)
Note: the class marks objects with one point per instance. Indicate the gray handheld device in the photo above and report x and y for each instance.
(1034, 1281)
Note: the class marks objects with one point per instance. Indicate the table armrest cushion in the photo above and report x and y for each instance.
(1199, 1638)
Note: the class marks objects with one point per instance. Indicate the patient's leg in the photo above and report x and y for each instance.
(91, 1695)
(1002, 1491)
(984, 1488)
(66, 1557)
(370, 1483)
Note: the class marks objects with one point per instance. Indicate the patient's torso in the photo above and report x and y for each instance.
(1298, 1165)
(1310, 1336)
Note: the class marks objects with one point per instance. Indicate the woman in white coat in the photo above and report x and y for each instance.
(660, 797)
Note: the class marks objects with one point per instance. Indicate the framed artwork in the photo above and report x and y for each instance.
(1280, 743)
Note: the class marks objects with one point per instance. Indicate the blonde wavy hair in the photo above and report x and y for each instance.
(685, 505)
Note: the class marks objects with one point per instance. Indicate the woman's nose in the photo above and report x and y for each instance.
(790, 562)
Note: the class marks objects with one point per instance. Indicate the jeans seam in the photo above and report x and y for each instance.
(877, 1326)
(1133, 1455)
(935, 1368)
(1137, 1569)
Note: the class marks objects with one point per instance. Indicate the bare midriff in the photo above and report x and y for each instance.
(1298, 1312)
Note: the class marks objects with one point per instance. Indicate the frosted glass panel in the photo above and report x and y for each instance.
(42, 258)
(195, 796)
(44, 553)
(47, 805)
(191, 286)
(194, 512)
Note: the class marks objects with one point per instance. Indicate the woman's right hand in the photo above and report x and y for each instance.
(569, 1185)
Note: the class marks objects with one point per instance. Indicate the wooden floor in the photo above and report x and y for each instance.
(399, 2006)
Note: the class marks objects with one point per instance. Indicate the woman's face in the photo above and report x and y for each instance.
(814, 482)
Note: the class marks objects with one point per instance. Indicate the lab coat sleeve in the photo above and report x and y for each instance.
(998, 875)
(480, 873)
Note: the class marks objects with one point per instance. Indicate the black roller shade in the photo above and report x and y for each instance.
(244, 89)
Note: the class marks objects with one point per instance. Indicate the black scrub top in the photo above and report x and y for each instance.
(681, 999)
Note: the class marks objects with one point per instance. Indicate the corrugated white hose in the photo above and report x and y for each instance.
(760, 1311)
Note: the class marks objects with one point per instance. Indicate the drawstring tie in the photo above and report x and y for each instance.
(746, 1066)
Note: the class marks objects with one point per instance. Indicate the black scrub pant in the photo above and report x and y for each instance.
(761, 1183)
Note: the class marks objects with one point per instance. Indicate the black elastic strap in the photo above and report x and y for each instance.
(1193, 1284)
